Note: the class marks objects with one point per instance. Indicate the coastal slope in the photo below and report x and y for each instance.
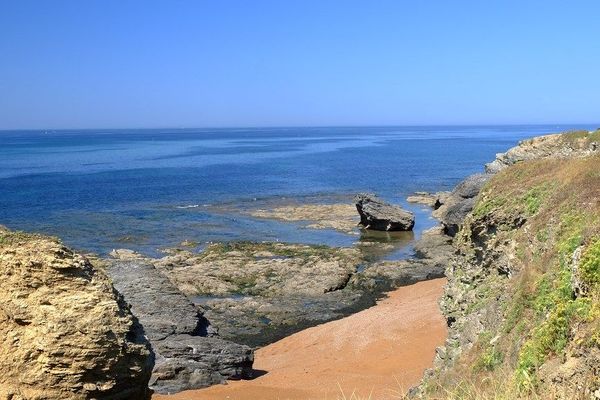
(523, 295)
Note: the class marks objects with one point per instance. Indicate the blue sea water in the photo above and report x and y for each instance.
(150, 189)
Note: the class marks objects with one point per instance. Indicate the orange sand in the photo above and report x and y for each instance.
(381, 351)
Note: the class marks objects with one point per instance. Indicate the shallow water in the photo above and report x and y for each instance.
(150, 189)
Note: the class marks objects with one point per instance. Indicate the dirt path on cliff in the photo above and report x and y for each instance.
(377, 352)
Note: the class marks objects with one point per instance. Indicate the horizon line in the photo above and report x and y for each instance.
(296, 126)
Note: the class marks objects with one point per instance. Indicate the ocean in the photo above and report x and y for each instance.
(149, 189)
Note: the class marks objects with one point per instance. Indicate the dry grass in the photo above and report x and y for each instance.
(489, 388)
(542, 320)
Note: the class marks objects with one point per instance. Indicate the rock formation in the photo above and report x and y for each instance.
(65, 333)
(460, 202)
(377, 215)
(566, 145)
(522, 300)
(188, 353)
(433, 200)
(255, 293)
(341, 217)
(453, 208)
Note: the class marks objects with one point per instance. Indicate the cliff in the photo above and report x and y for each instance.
(523, 296)
(65, 333)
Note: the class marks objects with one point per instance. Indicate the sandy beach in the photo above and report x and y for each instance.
(379, 352)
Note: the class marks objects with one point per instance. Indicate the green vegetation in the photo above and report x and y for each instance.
(551, 337)
(534, 197)
(515, 313)
(245, 283)
(530, 201)
(490, 357)
(590, 267)
(573, 136)
(275, 249)
(486, 206)
(540, 219)
(542, 235)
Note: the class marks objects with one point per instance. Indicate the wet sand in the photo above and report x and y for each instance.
(379, 352)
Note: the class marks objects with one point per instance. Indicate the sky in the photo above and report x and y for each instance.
(226, 63)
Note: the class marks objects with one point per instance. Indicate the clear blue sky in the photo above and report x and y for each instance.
(102, 63)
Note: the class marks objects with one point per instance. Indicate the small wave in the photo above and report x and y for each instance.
(189, 206)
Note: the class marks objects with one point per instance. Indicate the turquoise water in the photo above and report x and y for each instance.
(149, 189)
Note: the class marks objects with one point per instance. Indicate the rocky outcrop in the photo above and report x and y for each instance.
(565, 145)
(377, 215)
(65, 333)
(452, 209)
(265, 269)
(522, 295)
(433, 200)
(434, 246)
(432, 252)
(188, 353)
(341, 217)
(459, 203)
(256, 293)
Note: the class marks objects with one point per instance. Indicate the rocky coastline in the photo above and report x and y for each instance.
(119, 328)
(257, 293)
(200, 314)
(519, 232)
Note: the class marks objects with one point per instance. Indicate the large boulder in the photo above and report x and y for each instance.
(65, 333)
(188, 353)
(471, 186)
(378, 215)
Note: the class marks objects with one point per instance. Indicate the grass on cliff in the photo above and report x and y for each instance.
(562, 204)
(581, 135)
(550, 303)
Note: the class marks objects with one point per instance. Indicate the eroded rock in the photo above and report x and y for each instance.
(256, 293)
(65, 333)
(460, 202)
(377, 215)
(188, 355)
(565, 145)
(265, 269)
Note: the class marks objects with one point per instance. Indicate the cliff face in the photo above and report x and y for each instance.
(523, 295)
(65, 333)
